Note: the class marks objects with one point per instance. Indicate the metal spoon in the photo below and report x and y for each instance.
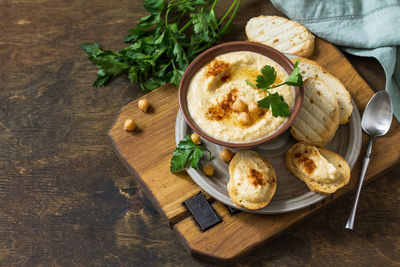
(375, 121)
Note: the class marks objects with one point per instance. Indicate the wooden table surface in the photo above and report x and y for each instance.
(66, 199)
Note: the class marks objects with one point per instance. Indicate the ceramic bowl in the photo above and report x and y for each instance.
(224, 48)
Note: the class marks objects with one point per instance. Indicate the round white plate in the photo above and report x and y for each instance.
(291, 193)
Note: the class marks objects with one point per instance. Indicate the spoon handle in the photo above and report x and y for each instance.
(350, 220)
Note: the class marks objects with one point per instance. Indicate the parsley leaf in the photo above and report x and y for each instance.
(93, 50)
(154, 6)
(195, 157)
(295, 78)
(267, 78)
(274, 101)
(111, 64)
(277, 104)
(187, 152)
(200, 23)
(163, 43)
(101, 80)
(179, 158)
(176, 76)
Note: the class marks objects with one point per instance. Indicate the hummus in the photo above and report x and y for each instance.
(314, 166)
(216, 86)
(252, 178)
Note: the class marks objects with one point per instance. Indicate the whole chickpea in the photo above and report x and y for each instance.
(208, 170)
(239, 106)
(129, 125)
(226, 155)
(143, 104)
(196, 139)
(255, 110)
(243, 118)
(253, 107)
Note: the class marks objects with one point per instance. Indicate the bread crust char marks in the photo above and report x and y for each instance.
(310, 68)
(318, 119)
(282, 34)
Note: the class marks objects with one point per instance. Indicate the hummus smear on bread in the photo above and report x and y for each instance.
(215, 88)
(252, 182)
(321, 169)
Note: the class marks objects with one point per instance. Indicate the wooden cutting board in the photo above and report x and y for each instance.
(147, 151)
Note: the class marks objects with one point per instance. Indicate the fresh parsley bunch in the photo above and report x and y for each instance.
(276, 101)
(164, 42)
(187, 151)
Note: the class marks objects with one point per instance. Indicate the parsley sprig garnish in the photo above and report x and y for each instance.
(275, 101)
(187, 152)
(164, 42)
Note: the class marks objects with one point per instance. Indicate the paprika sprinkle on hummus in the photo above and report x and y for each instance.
(215, 67)
(222, 110)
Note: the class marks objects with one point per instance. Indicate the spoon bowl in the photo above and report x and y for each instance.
(375, 121)
(377, 116)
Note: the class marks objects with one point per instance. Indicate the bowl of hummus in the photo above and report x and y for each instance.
(218, 103)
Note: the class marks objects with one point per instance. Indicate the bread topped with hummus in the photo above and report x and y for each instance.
(252, 182)
(282, 34)
(322, 170)
(224, 106)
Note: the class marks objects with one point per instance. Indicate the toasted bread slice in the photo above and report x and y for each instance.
(322, 170)
(318, 118)
(282, 34)
(252, 182)
(310, 68)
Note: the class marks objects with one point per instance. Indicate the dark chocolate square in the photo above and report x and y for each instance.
(203, 213)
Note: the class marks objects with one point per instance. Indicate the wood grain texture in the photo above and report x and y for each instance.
(237, 234)
(147, 151)
(66, 199)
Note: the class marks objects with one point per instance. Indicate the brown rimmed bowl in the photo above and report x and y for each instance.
(215, 51)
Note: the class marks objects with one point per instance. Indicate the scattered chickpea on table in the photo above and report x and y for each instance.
(129, 125)
(143, 105)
